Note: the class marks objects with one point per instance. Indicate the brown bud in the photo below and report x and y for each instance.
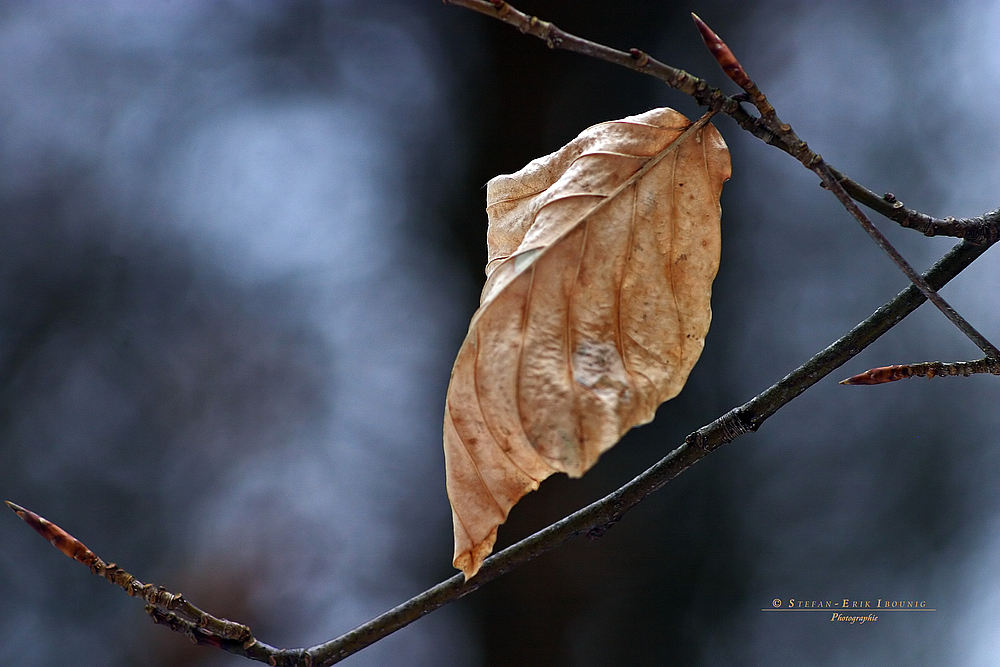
(880, 375)
(730, 65)
(59, 538)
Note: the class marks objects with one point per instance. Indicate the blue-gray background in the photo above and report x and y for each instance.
(239, 245)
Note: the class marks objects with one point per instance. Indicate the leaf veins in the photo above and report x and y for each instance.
(595, 309)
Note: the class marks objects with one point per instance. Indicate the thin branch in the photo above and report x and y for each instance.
(167, 608)
(981, 229)
(928, 369)
(634, 59)
(815, 163)
(593, 520)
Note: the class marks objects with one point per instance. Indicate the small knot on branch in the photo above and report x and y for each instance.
(291, 658)
(696, 439)
(722, 431)
(597, 532)
(641, 59)
(982, 232)
(731, 426)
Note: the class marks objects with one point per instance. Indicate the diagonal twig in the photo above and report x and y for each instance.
(592, 520)
(596, 518)
(823, 171)
(634, 59)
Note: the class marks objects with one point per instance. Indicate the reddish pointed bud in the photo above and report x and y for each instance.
(59, 538)
(880, 375)
(730, 65)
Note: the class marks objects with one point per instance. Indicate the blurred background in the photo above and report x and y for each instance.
(240, 243)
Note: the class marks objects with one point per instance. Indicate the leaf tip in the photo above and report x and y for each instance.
(470, 561)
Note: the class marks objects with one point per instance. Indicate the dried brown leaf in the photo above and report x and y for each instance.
(595, 309)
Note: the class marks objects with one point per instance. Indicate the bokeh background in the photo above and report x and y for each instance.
(240, 242)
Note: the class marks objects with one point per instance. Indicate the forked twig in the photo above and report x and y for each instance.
(814, 162)
(984, 229)
(981, 229)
